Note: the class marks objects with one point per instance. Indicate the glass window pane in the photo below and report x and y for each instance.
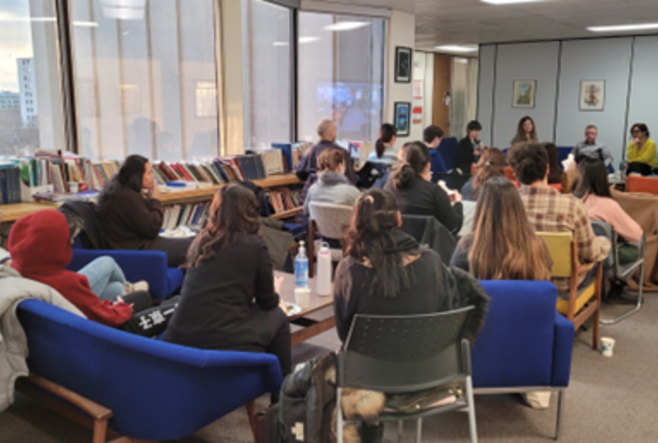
(146, 78)
(268, 113)
(341, 68)
(31, 114)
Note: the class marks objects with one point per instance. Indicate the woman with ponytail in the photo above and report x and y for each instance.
(229, 300)
(385, 151)
(410, 185)
(386, 272)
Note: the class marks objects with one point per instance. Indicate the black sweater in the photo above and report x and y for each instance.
(465, 155)
(223, 300)
(434, 288)
(426, 198)
(131, 221)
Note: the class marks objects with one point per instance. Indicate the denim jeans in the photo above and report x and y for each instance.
(105, 277)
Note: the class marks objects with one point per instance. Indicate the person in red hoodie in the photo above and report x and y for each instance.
(40, 249)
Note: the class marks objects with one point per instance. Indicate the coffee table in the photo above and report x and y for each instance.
(310, 327)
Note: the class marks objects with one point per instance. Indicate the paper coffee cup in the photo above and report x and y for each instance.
(302, 296)
(73, 187)
(607, 346)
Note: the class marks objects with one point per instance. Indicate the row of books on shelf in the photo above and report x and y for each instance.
(283, 199)
(191, 215)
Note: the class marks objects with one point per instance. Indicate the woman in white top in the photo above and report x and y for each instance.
(384, 151)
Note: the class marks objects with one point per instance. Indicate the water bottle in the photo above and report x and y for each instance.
(323, 281)
(301, 267)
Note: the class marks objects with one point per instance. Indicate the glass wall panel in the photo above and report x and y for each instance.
(31, 114)
(268, 113)
(146, 78)
(341, 74)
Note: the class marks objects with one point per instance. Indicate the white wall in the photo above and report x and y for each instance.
(644, 90)
(423, 70)
(530, 61)
(487, 77)
(401, 32)
(601, 59)
(566, 64)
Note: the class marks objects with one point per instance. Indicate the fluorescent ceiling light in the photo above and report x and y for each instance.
(461, 60)
(123, 13)
(509, 2)
(456, 48)
(622, 28)
(345, 26)
(86, 24)
(302, 40)
(309, 39)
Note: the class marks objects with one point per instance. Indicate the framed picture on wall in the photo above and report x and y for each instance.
(592, 95)
(403, 118)
(403, 64)
(524, 93)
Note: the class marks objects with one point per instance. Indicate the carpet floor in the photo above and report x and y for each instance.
(608, 400)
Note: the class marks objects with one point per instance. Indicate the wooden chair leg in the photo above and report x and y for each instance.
(251, 412)
(597, 314)
(100, 431)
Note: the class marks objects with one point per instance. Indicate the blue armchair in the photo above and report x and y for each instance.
(525, 345)
(154, 390)
(136, 265)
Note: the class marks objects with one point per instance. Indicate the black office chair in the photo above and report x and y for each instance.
(406, 354)
(612, 268)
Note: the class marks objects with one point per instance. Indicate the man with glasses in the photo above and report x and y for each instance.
(591, 148)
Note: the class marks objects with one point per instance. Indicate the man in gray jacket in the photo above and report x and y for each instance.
(591, 148)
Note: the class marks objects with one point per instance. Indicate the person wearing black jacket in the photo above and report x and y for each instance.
(415, 194)
(133, 221)
(228, 300)
(308, 164)
(386, 272)
(469, 148)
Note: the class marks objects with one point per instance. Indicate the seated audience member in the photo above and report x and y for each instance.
(40, 248)
(490, 165)
(525, 132)
(415, 194)
(308, 164)
(641, 152)
(332, 185)
(470, 147)
(432, 136)
(550, 211)
(385, 151)
(386, 271)
(556, 176)
(503, 245)
(591, 148)
(228, 299)
(133, 221)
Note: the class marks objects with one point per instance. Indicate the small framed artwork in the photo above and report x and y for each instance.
(524, 93)
(403, 64)
(403, 118)
(592, 95)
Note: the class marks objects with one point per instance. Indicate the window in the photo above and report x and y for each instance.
(268, 115)
(29, 38)
(146, 78)
(341, 68)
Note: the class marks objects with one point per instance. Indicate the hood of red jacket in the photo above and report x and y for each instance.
(39, 244)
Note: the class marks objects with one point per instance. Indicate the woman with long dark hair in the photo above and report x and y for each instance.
(229, 300)
(526, 131)
(490, 165)
(593, 189)
(387, 272)
(385, 151)
(503, 245)
(410, 184)
(131, 214)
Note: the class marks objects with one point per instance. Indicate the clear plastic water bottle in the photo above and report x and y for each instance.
(301, 267)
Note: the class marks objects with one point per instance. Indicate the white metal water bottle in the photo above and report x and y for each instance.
(323, 281)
